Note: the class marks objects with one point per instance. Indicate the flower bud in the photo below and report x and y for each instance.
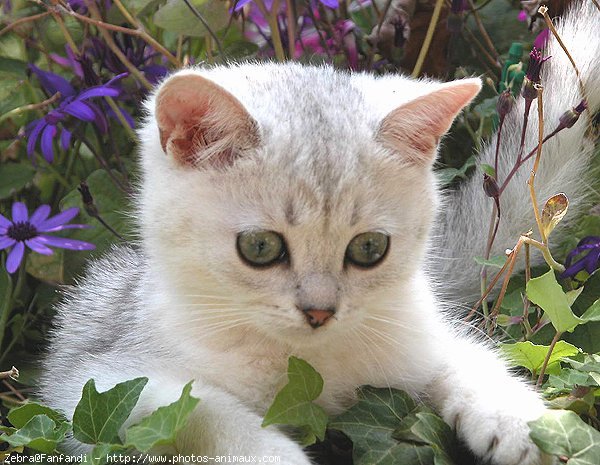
(570, 117)
(505, 103)
(490, 186)
(529, 91)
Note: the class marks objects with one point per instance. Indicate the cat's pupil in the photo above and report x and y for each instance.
(367, 249)
(261, 248)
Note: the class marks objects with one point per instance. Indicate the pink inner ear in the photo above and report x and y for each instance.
(416, 127)
(199, 120)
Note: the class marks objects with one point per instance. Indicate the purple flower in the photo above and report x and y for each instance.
(45, 129)
(523, 16)
(542, 39)
(29, 231)
(535, 65)
(590, 262)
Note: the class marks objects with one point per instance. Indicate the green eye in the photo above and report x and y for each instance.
(261, 248)
(367, 249)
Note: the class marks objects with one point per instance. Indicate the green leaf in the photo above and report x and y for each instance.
(293, 404)
(592, 313)
(162, 425)
(563, 433)
(19, 416)
(545, 292)
(428, 428)
(99, 416)
(386, 427)
(14, 177)
(16, 68)
(531, 356)
(496, 261)
(488, 169)
(175, 16)
(100, 454)
(39, 433)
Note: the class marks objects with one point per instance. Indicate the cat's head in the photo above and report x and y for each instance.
(292, 200)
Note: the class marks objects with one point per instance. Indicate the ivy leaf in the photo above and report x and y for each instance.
(592, 313)
(293, 404)
(546, 293)
(99, 416)
(19, 416)
(554, 210)
(428, 428)
(40, 433)
(162, 425)
(531, 356)
(387, 427)
(101, 454)
(563, 433)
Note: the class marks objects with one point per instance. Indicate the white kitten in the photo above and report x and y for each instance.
(260, 182)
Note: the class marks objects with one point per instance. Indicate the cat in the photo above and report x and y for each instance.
(291, 210)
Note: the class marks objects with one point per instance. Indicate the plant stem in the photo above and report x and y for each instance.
(543, 10)
(427, 42)
(20, 21)
(271, 17)
(130, 132)
(291, 28)
(536, 164)
(32, 106)
(547, 359)
(6, 308)
(481, 28)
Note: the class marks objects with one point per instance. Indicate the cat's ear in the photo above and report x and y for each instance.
(415, 128)
(200, 122)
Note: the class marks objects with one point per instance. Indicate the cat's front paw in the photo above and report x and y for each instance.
(500, 437)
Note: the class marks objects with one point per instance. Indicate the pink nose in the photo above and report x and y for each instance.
(317, 317)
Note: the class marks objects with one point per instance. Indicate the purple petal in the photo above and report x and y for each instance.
(64, 243)
(19, 212)
(40, 214)
(68, 226)
(37, 246)
(4, 222)
(62, 61)
(53, 83)
(118, 77)
(240, 4)
(6, 241)
(99, 91)
(65, 139)
(542, 39)
(522, 16)
(80, 110)
(33, 136)
(74, 62)
(330, 3)
(14, 257)
(46, 142)
(58, 220)
(591, 261)
(154, 73)
(589, 240)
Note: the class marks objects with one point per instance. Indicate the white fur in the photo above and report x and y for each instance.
(193, 310)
